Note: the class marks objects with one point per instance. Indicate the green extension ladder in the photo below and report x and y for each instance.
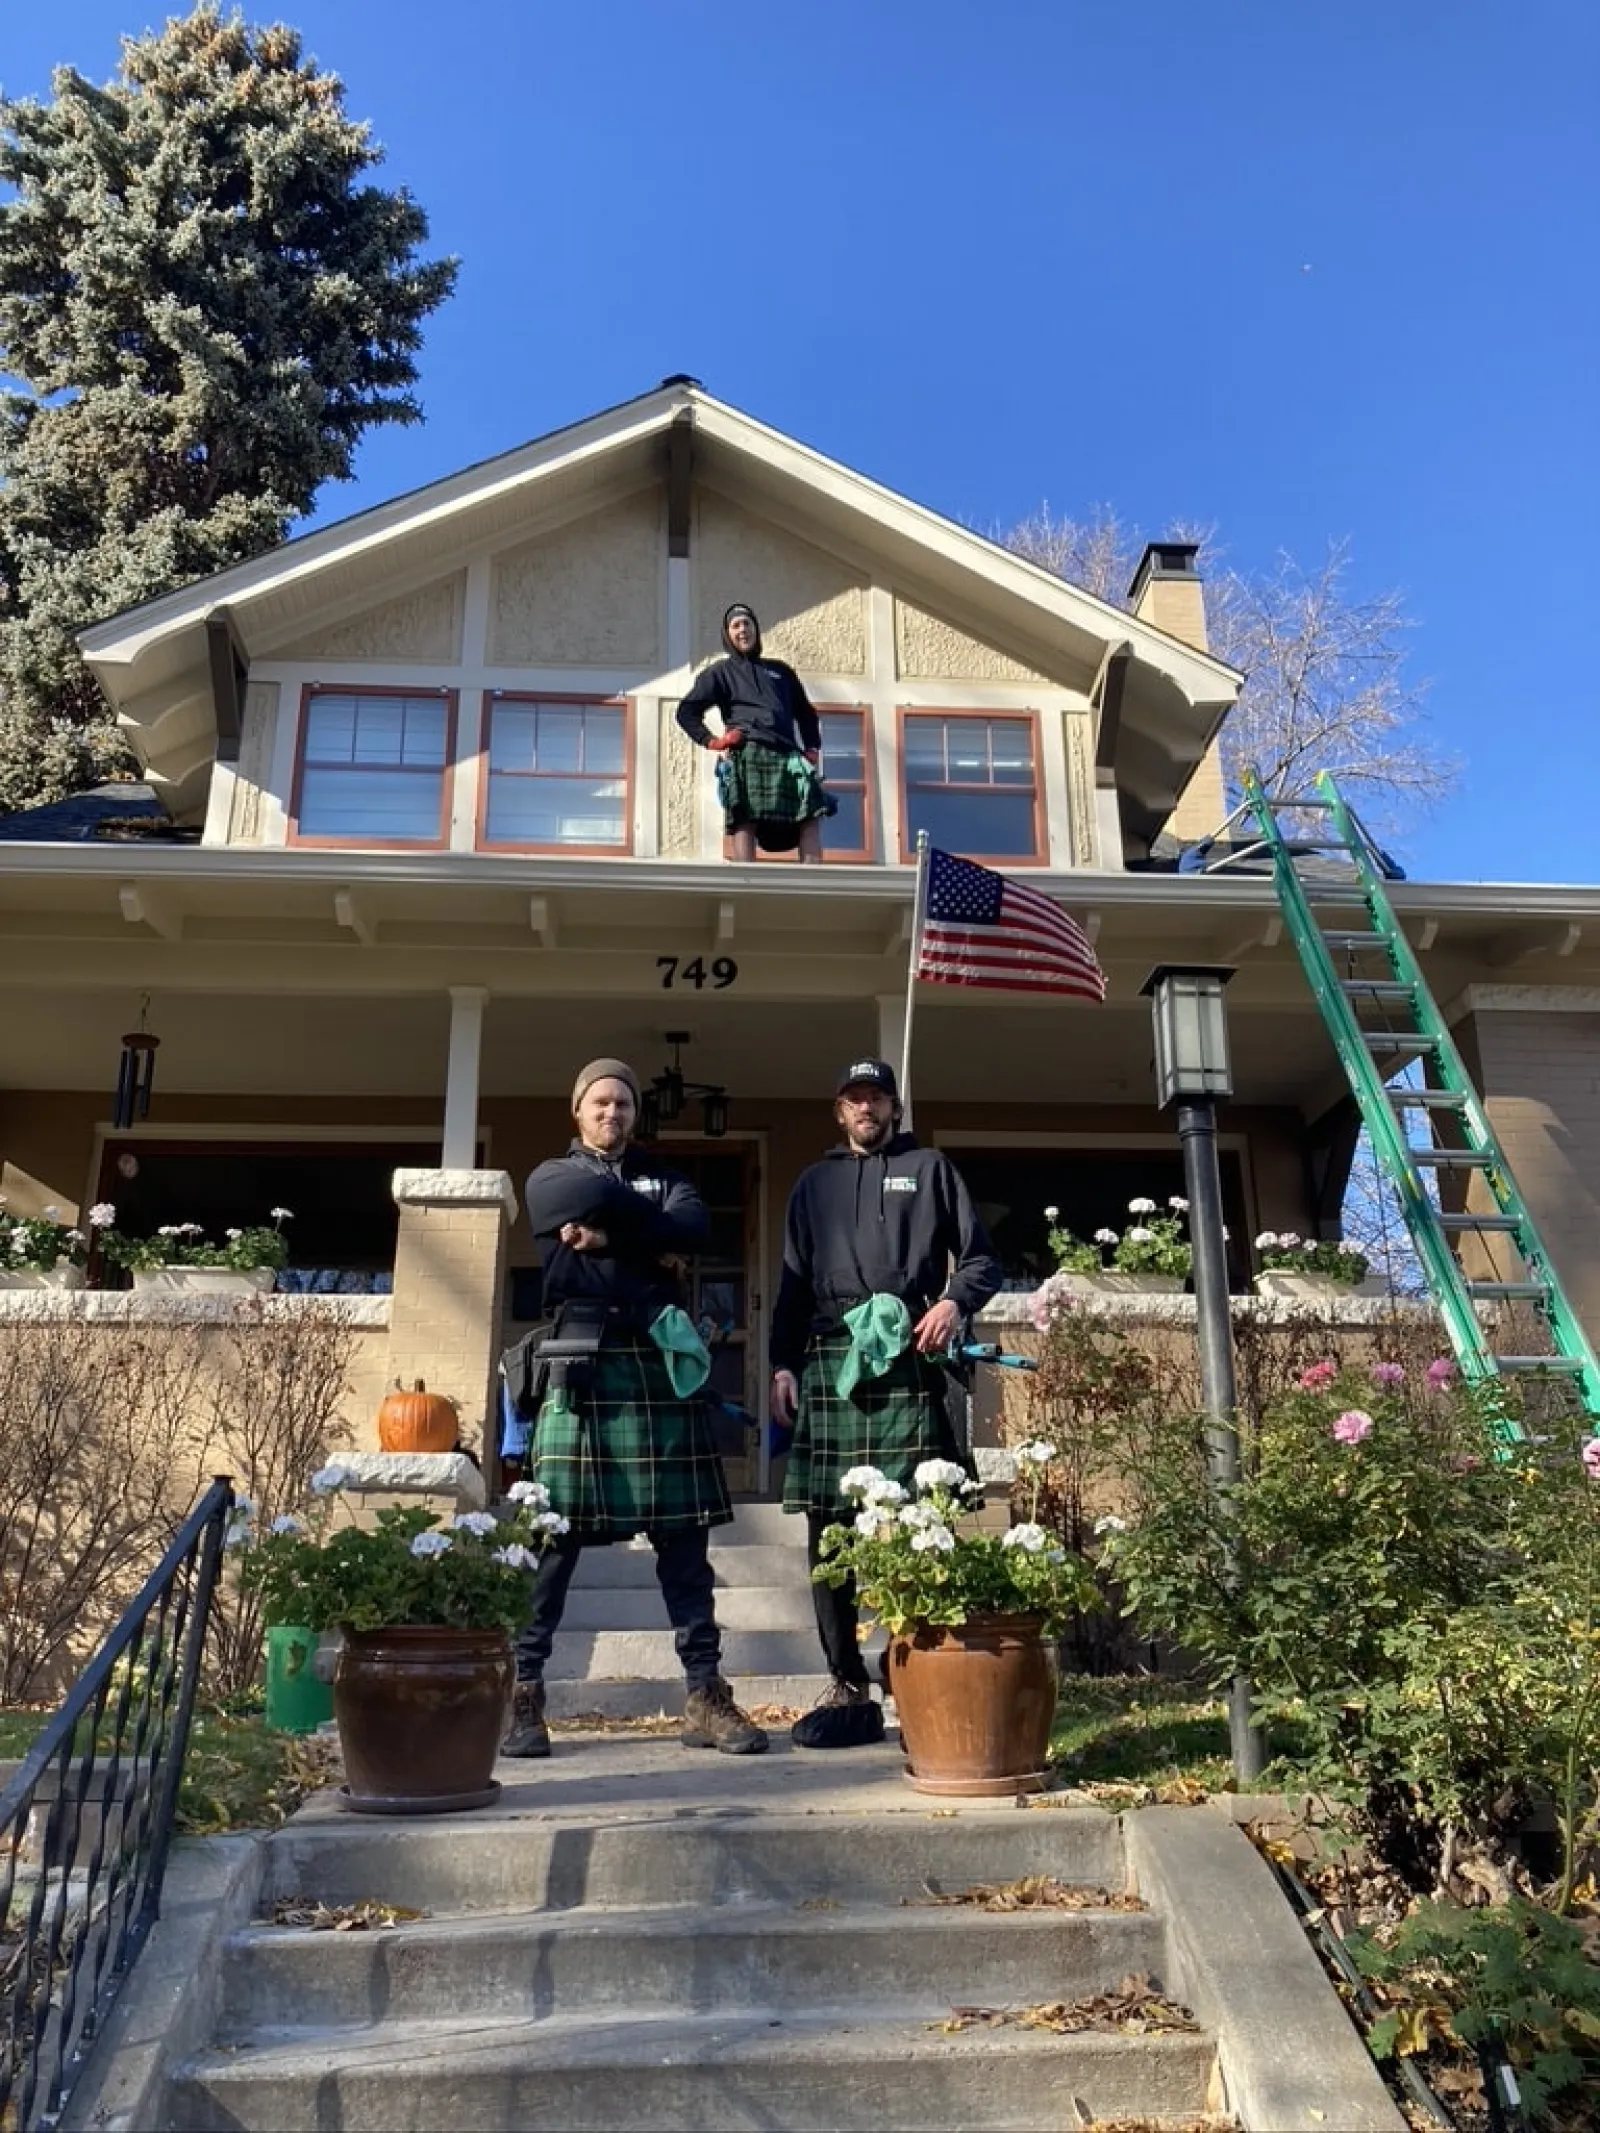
(1373, 966)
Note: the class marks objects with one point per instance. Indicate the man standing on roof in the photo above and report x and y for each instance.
(884, 1260)
(622, 1441)
(769, 744)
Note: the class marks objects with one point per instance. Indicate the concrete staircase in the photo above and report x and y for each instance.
(659, 1964)
(614, 1652)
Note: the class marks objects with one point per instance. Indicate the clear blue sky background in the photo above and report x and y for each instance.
(998, 251)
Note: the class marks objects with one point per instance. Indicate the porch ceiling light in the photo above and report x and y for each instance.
(1191, 1032)
(662, 1103)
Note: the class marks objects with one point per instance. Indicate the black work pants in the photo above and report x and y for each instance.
(683, 1571)
(837, 1612)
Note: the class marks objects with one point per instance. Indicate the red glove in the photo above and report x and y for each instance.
(813, 756)
(724, 742)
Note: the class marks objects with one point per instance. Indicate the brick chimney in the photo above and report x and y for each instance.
(1167, 593)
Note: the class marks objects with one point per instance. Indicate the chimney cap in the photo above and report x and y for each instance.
(1164, 559)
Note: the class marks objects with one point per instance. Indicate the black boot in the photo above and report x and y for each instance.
(529, 1738)
(844, 1716)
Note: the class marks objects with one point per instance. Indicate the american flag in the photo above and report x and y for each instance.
(980, 929)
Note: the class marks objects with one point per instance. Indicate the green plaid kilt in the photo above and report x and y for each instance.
(623, 1454)
(893, 1422)
(759, 784)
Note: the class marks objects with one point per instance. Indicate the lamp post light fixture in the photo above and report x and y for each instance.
(1192, 1071)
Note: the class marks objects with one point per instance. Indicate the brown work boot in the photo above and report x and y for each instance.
(529, 1738)
(711, 1719)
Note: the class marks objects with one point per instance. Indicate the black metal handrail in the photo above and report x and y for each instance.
(86, 1823)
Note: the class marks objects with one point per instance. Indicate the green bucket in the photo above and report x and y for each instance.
(297, 1702)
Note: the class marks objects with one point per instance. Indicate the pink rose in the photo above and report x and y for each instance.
(1352, 1426)
(1441, 1372)
(1388, 1375)
(1591, 1458)
(1319, 1377)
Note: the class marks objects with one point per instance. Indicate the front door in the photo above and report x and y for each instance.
(725, 1300)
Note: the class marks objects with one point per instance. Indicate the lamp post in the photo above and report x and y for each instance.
(1192, 1071)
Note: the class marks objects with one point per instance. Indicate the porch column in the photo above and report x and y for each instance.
(460, 1151)
(892, 1031)
(449, 1275)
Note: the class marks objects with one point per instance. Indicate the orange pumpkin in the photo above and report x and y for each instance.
(417, 1421)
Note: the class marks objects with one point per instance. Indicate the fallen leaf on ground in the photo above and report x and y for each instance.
(316, 1917)
(1034, 1892)
(1138, 2008)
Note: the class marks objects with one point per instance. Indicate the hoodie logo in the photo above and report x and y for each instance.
(899, 1184)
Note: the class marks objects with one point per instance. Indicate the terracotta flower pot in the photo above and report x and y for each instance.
(976, 1705)
(421, 1713)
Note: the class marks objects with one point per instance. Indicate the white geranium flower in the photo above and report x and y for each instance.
(431, 1544)
(874, 1525)
(1267, 1241)
(938, 1538)
(52, 1214)
(1052, 1214)
(288, 1523)
(1288, 1240)
(862, 1481)
(479, 1522)
(1038, 1453)
(1140, 1236)
(885, 1495)
(1178, 1204)
(552, 1522)
(1111, 1524)
(1141, 1207)
(1105, 1236)
(280, 1214)
(102, 1215)
(939, 1474)
(515, 1557)
(920, 1517)
(533, 1492)
(233, 1235)
(328, 1479)
(1031, 1539)
(169, 1229)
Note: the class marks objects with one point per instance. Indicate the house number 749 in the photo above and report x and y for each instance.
(719, 974)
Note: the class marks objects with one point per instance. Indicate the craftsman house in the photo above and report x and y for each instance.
(429, 837)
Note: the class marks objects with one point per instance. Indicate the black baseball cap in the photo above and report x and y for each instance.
(871, 1074)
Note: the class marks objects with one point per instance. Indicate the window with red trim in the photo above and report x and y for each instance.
(846, 771)
(373, 767)
(557, 774)
(972, 782)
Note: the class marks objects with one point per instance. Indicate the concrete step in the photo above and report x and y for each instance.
(707, 2073)
(650, 1654)
(579, 1698)
(712, 1858)
(918, 1961)
(621, 1568)
(738, 1607)
(760, 1525)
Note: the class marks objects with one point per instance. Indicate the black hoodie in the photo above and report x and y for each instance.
(646, 1212)
(763, 698)
(886, 1224)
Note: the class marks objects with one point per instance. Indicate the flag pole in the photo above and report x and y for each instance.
(919, 913)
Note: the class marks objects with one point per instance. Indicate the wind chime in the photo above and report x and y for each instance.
(136, 1072)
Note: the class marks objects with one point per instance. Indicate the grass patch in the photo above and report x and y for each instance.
(237, 1774)
(1153, 1730)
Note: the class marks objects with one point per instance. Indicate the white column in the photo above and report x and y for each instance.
(892, 1031)
(467, 1003)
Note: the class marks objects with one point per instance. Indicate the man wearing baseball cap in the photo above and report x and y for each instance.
(880, 1235)
(619, 1446)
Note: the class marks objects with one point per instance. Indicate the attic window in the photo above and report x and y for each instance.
(558, 774)
(373, 767)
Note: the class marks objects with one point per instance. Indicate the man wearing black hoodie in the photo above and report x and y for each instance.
(878, 1217)
(769, 744)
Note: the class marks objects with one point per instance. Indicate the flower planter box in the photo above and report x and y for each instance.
(61, 1276)
(205, 1280)
(1283, 1281)
(1113, 1284)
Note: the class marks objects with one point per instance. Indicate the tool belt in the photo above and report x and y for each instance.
(556, 1354)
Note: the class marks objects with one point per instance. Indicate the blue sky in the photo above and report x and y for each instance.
(997, 253)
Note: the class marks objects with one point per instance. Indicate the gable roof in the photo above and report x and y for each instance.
(172, 666)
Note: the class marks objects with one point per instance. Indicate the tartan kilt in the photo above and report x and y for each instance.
(893, 1422)
(760, 784)
(621, 1453)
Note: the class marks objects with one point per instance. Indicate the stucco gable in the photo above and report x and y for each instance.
(588, 594)
(927, 648)
(420, 628)
(812, 606)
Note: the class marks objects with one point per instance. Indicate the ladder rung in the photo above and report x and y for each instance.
(1334, 892)
(1510, 1291)
(1453, 1158)
(1431, 1099)
(1379, 988)
(1294, 807)
(1399, 1040)
(1564, 1363)
(1355, 940)
(1503, 1223)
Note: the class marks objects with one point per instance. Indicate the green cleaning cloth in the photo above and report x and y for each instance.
(688, 1358)
(880, 1332)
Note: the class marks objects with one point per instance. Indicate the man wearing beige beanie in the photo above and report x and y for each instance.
(621, 1448)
